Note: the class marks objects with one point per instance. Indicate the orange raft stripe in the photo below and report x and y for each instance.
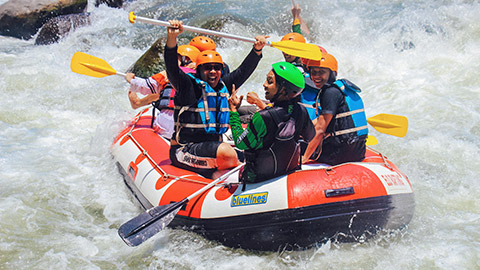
(305, 188)
(157, 149)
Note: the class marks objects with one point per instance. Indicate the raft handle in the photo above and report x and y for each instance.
(329, 171)
(339, 192)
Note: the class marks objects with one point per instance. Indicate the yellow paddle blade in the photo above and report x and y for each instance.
(299, 49)
(89, 65)
(391, 124)
(371, 140)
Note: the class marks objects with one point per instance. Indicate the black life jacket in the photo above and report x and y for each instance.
(281, 153)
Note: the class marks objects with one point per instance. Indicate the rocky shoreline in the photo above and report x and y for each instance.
(23, 18)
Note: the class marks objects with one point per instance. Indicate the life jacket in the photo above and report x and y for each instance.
(210, 114)
(167, 93)
(308, 98)
(356, 111)
(282, 150)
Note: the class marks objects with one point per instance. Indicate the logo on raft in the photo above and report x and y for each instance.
(249, 199)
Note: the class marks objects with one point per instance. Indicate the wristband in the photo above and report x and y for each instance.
(255, 49)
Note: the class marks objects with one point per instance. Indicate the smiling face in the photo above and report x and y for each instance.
(270, 86)
(211, 73)
(319, 76)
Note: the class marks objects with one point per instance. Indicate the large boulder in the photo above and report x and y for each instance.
(23, 18)
(58, 27)
(151, 62)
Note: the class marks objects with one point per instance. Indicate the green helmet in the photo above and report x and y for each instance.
(294, 81)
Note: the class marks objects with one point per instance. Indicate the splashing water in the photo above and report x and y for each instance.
(62, 198)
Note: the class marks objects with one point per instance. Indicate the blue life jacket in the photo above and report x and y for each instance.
(356, 109)
(212, 108)
(308, 98)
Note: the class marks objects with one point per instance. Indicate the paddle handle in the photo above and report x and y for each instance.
(218, 180)
(132, 18)
(121, 74)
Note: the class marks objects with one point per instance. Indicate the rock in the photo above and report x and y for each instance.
(151, 62)
(110, 3)
(23, 18)
(58, 27)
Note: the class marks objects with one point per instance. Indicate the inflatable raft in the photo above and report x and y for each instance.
(346, 202)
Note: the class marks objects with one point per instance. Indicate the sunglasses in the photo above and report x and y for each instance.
(184, 61)
(216, 67)
(317, 71)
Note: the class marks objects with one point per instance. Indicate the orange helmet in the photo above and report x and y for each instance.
(327, 61)
(188, 51)
(305, 60)
(203, 43)
(294, 36)
(209, 56)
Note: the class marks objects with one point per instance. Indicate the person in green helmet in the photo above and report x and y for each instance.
(271, 139)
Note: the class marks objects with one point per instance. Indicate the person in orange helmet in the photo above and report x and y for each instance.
(341, 127)
(201, 106)
(159, 92)
(296, 35)
(204, 43)
(293, 37)
(309, 94)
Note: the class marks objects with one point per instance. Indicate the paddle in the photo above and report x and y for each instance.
(89, 65)
(142, 227)
(371, 140)
(304, 50)
(391, 124)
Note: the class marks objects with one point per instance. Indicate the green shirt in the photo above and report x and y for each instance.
(296, 28)
(250, 138)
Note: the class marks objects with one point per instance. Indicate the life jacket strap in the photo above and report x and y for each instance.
(310, 106)
(194, 109)
(345, 114)
(205, 102)
(178, 127)
(346, 131)
(188, 125)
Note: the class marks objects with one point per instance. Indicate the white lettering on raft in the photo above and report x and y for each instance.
(393, 180)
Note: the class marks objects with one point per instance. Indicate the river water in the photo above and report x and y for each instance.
(62, 198)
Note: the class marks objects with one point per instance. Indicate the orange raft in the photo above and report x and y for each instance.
(347, 202)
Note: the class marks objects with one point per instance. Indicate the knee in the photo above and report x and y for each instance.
(226, 156)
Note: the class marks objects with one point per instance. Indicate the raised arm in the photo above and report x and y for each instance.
(179, 80)
(243, 72)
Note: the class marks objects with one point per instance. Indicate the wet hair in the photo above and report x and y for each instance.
(332, 77)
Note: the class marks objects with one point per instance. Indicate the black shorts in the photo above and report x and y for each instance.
(198, 157)
(334, 152)
(246, 113)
